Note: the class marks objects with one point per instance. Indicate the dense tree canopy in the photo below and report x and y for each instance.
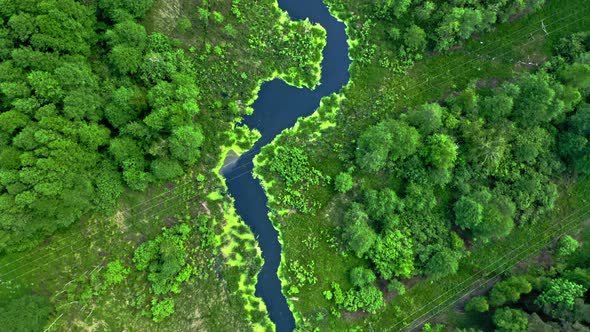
(494, 152)
(58, 120)
(446, 24)
(432, 174)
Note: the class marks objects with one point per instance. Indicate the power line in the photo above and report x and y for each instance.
(447, 70)
(505, 259)
(244, 173)
(174, 196)
(123, 211)
(544, 26)
(72, 249)
(180, 187)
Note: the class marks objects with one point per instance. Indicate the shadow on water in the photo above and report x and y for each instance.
(278, 106)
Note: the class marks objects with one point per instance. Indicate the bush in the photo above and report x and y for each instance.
(357, 235)
(115, 273)
(442, 264)
(560, 292)
(166, 260)
(478, 304)
(359, 276)
(396, 285)
(393, 255)
(566, 246)
(510, 320)
(184, 25)
(343, 182)
(509, 290)
(162, 309)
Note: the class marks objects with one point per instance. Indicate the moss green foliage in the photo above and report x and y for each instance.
(509, 290)
(26, 313)
(343, 182)
(513, 320)
(566, 246)
(477, 304)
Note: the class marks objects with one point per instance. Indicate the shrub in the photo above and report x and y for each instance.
(343, 182)
(184, 25)
(566, 246)
(478, 304)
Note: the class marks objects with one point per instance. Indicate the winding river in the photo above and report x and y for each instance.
(278, 107)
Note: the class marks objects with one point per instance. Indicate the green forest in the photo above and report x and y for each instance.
(444, 188)
(418, 177)
(112, 115)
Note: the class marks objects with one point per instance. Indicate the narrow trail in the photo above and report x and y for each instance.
(277, 108)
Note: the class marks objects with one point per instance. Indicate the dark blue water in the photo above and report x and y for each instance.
(277, 108)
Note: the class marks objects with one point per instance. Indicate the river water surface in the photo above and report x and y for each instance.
(277, 108)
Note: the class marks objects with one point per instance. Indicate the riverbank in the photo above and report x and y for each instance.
(278, 107)
(321, 119)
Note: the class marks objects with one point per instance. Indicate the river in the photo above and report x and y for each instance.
(277, 108)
